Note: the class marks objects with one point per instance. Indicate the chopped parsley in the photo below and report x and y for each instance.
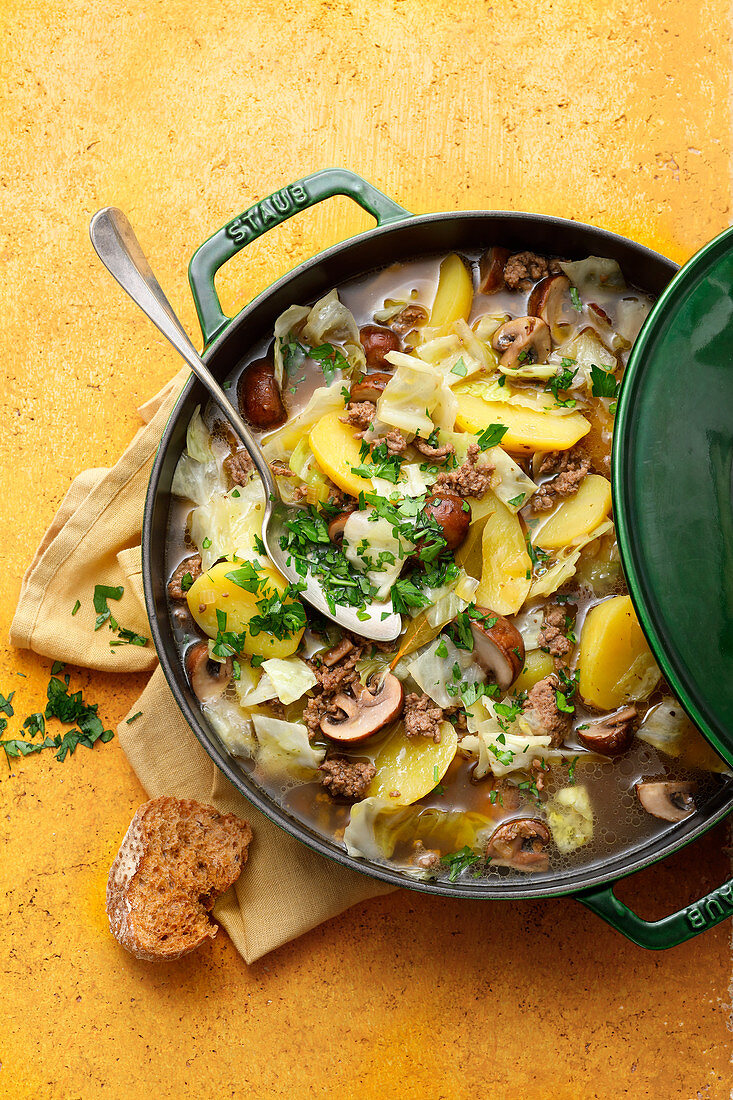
(68, 708)
(515, 502)
(491, 436)
(102, 593)
(459, 861)
(575, 299)
(561, 382)
(562, 703)
(76, 607)
(459, 368)
(134, 717)
(603, 383)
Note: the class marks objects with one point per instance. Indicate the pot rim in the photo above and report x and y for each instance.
(591, 876)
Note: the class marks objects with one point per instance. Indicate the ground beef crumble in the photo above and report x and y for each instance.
(553, 633)
(238, 467)
(470, 479)
(359, 414)
(569, 467)
(335, 672)
(281, 469)
(523, 269)
(435, 454)
(190, 565)
(346, 779)
(422, 717)
(427, 859)
(542, 705)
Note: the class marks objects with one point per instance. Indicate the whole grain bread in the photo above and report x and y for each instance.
(177, 857)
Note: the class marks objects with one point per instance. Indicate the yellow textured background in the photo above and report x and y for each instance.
(183, 113)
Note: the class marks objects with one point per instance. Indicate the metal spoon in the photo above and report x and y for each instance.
(119, 250)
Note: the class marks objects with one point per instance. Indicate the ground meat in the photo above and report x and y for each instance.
(239, 466)
(359, 414)
(422, 717)
(346, 779)
(523, 269)
(570, 468)
(427, 859)
(553, 633)
(469, 480)
(340, 674)
(541, 706)
(276, 707)
(335, 672)
(281, 469)
(457, 716)
(395, 440)
(190, 565)
(300, 492)
(407, 319)
(338, 497)
(435, 454)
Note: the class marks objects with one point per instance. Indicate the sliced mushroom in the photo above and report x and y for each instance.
(521, 844)
(491, 269)
(369, 388)
(499, 649)
(550, 300)
(408, 319)
(366, 711)
(449, 512)
(259, 396)
(522, 342)
(377, 341)
(337, 524)
(671, 800)
(612, 735)
(208, 679)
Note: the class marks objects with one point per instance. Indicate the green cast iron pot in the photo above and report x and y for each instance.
(228, 344)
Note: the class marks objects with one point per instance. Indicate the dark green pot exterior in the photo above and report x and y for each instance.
(398, 236)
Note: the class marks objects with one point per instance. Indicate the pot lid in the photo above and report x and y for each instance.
(672, 475)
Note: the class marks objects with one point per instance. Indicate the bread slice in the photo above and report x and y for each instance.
(177, 857)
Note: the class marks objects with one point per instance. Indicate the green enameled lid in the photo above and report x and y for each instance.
(672, 474)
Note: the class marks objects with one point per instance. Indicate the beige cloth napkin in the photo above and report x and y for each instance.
(285, 888)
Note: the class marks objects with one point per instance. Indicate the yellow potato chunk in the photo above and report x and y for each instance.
(537, 665)
(616, 664)
(336, 449)
(506, 572)
(577, 516)
(412, 766)
(213, 591)
(528, 430)
(454, 296)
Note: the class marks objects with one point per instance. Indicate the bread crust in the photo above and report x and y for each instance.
(132, 908)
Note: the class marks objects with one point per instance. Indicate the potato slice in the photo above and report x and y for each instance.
(529, 430)
(213, 591)
(576, 516)
(506, 573)
(336, 449)
(412, 766)
(537, 665)
(454, 296)
(616, 664)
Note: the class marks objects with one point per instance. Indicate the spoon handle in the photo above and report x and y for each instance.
(119, 250)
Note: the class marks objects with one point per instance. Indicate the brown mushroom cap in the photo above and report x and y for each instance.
(259, 396)
(369, 388)
(671, 800)
(208, 679)
(377, 342)
(499, 649)
(550, 300)
(522, 341)
(491, 269)
(337, 524)
(447, 509)
(521, 844)
(365, 711)
(612, 735)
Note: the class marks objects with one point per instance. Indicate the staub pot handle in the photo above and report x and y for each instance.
(264, 215)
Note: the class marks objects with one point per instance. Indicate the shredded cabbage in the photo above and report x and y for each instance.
(410, 395)
(586, 350)
(291, 321)
(570, 817)
(200, 470)
(566, 562)
(513, 487)
(500, 751)
(450, 600)
(434, 673)
(488, 389)
(529, 624)
(232, 726)
(290, 676)
(667, 728)
(330, 321)
(228, 524)
(593, 274)
(253, 687)
(631, 313)
(372, 546)
(284, 748)
(376, 826)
